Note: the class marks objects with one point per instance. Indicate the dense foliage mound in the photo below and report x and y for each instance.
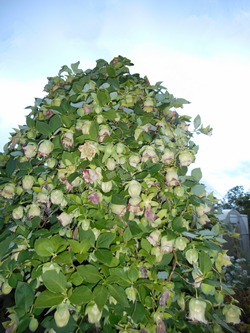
(102, 229)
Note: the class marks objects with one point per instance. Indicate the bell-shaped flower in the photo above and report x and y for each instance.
(56, 197)
(68, 139)
(197, 310)
(17, 213)
(45, 148)
(89, 175)
(30, 150)
(65, 219)
(88, 151)
(134, 188)
(168, 157)
(232, 314)
(28, 182)
(8, 192)
(186, 157)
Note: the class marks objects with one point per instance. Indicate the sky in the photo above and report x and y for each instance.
(199, 49)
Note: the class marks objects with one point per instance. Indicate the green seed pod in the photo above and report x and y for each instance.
(33, 325)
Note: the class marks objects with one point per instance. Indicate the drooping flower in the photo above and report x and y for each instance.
(103, 132)
(68, 139)
(28, 182)
(86, 127)
(202, 209)
(149, 214)
(232, 314)
(180, 243)
(134, 188)
(197, 310)
(172, 178)
(134, 160)
(192, 256)
(8, 192)
(110, 164)
(93, 313)
(34, 210)
(56, 197)
(106, 186)
(30, 150)
(88, 151)
(168, 157)
(95, 197)
(154, 237)
(89, 175)
(167, 245)
(186, 157)
(45, 148)
(65, 218)
(148, 153)
(17, 213)
(62, 315)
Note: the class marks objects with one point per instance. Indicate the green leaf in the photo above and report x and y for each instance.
(100, 294)
(24, 295)
(177, 224)
(102, 97)
(198, 189)
(44, 247)
(54, 281)
(47, 299)
(30, 122)
(10, 166)
(118, 199)
(6, 245)
(119, 294)
(104, 256)
(133, 273)
(197, 174)
(146, 245)
(55, 122)
(89, 273)
(58, 243)
(197, 121)
(43, 128)
(127, 235)
(93, 130)
(205, 262)
(104, 240)
(81, 295)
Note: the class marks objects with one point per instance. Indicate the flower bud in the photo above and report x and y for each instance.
(30, 150)
(51, 162)
(33, 325)
(95, 198)
(100, 119)
(167, 245)
(8, 192)
(156, 251)
(197, 310)
(56, 197)
(19, 190)
(106, 186)
(86, 127)
(192, 256)
(180, 243)
(232, 314)
(120, 148)
(148, 105)
(65, 219)
(134, 188)
(168, 157)
(179, 191)
(203, 219)
(154, 237)
(219, 298)
(186, 157)
(134, 160)
(131, 294)
(202, 209)
(6, 288)
(68, 139)
(62, 315)
(28, 182)
(103, 132)
(90, 176)
(34, 210)
(172, 177)
(148, 153)
(110, 164)
(45, 148)
(94, 314)
(118, 209)
(181, 301)
(17, 213)
(88, 151)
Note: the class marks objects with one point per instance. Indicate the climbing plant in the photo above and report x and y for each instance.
(102, 227)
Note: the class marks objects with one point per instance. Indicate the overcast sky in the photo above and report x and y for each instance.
(199, 48)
